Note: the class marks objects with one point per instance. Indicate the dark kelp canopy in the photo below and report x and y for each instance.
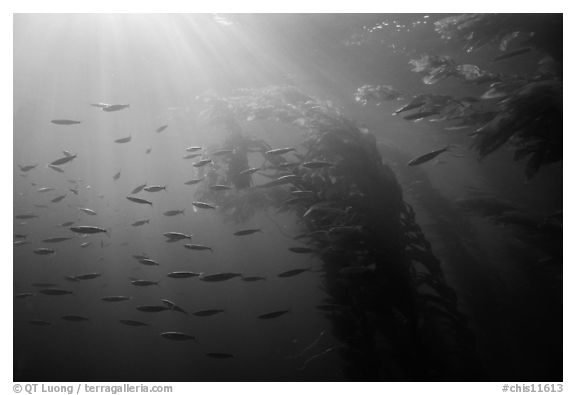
(523, 111)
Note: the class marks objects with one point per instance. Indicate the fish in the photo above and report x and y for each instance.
(74, 318)
(152, 309)
(55, 292)
(177, 236)
(23, 295)
(427, 157)
(220, 187)
(26, 216)
(115, 107)
(173, 306)
(287, 179)
(57, 199)
(44, 251)
(317, 164)
(512, 54)
(219, 277)
(100, 105)
(202, 162)
(87, 211)
(84, 245)
(203, 205)
(64, 159)
(149, 262)
(155, 188)
(20, 243)
(141, 222)
(292, 273)
(19, 236)
(171, 213)
(195, 181)
(417, 102)
(178, 336)
(45, 189)
(87, 276)
(87, 230)
(115, 298)
(219, 355)
(138, 189)
(193, 149)
(74, 191)
(143, 283)
(27, 168)
(420, 115)
(302, 250)
(161, 128)
(39, 322)
(123, 140)
(208, 313)
(251, 170)
(56, 239)
(149, 150)
(56, 168)
(278, 151)
(273, 314)
(116, 176)
(198, 247)
(191, 156)
(132, 323)
(65, 122)
(245, 232)
(66, 153)
(253, 278)
(138, 200)
(183, 274)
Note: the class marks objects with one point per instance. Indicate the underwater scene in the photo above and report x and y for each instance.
(287, 197)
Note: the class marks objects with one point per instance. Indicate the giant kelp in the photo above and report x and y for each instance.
(399, 317)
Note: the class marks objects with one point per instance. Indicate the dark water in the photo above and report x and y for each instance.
(159, 64)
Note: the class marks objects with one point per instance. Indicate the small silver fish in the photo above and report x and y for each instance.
(115, 107)
(155, 188)
(172, 213)
(138, 189)
(245, 232)
(202, 162)
(203, 205)
(63, 160)
(87, 229)
(195, 181)
(123, 140)
(44, 251)
(178, 336)
(278, 151)
(115, 298)
(87, 211)
(138, 200)
(64, 122)
(183, 274)
(177, 236)
(198, 247)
